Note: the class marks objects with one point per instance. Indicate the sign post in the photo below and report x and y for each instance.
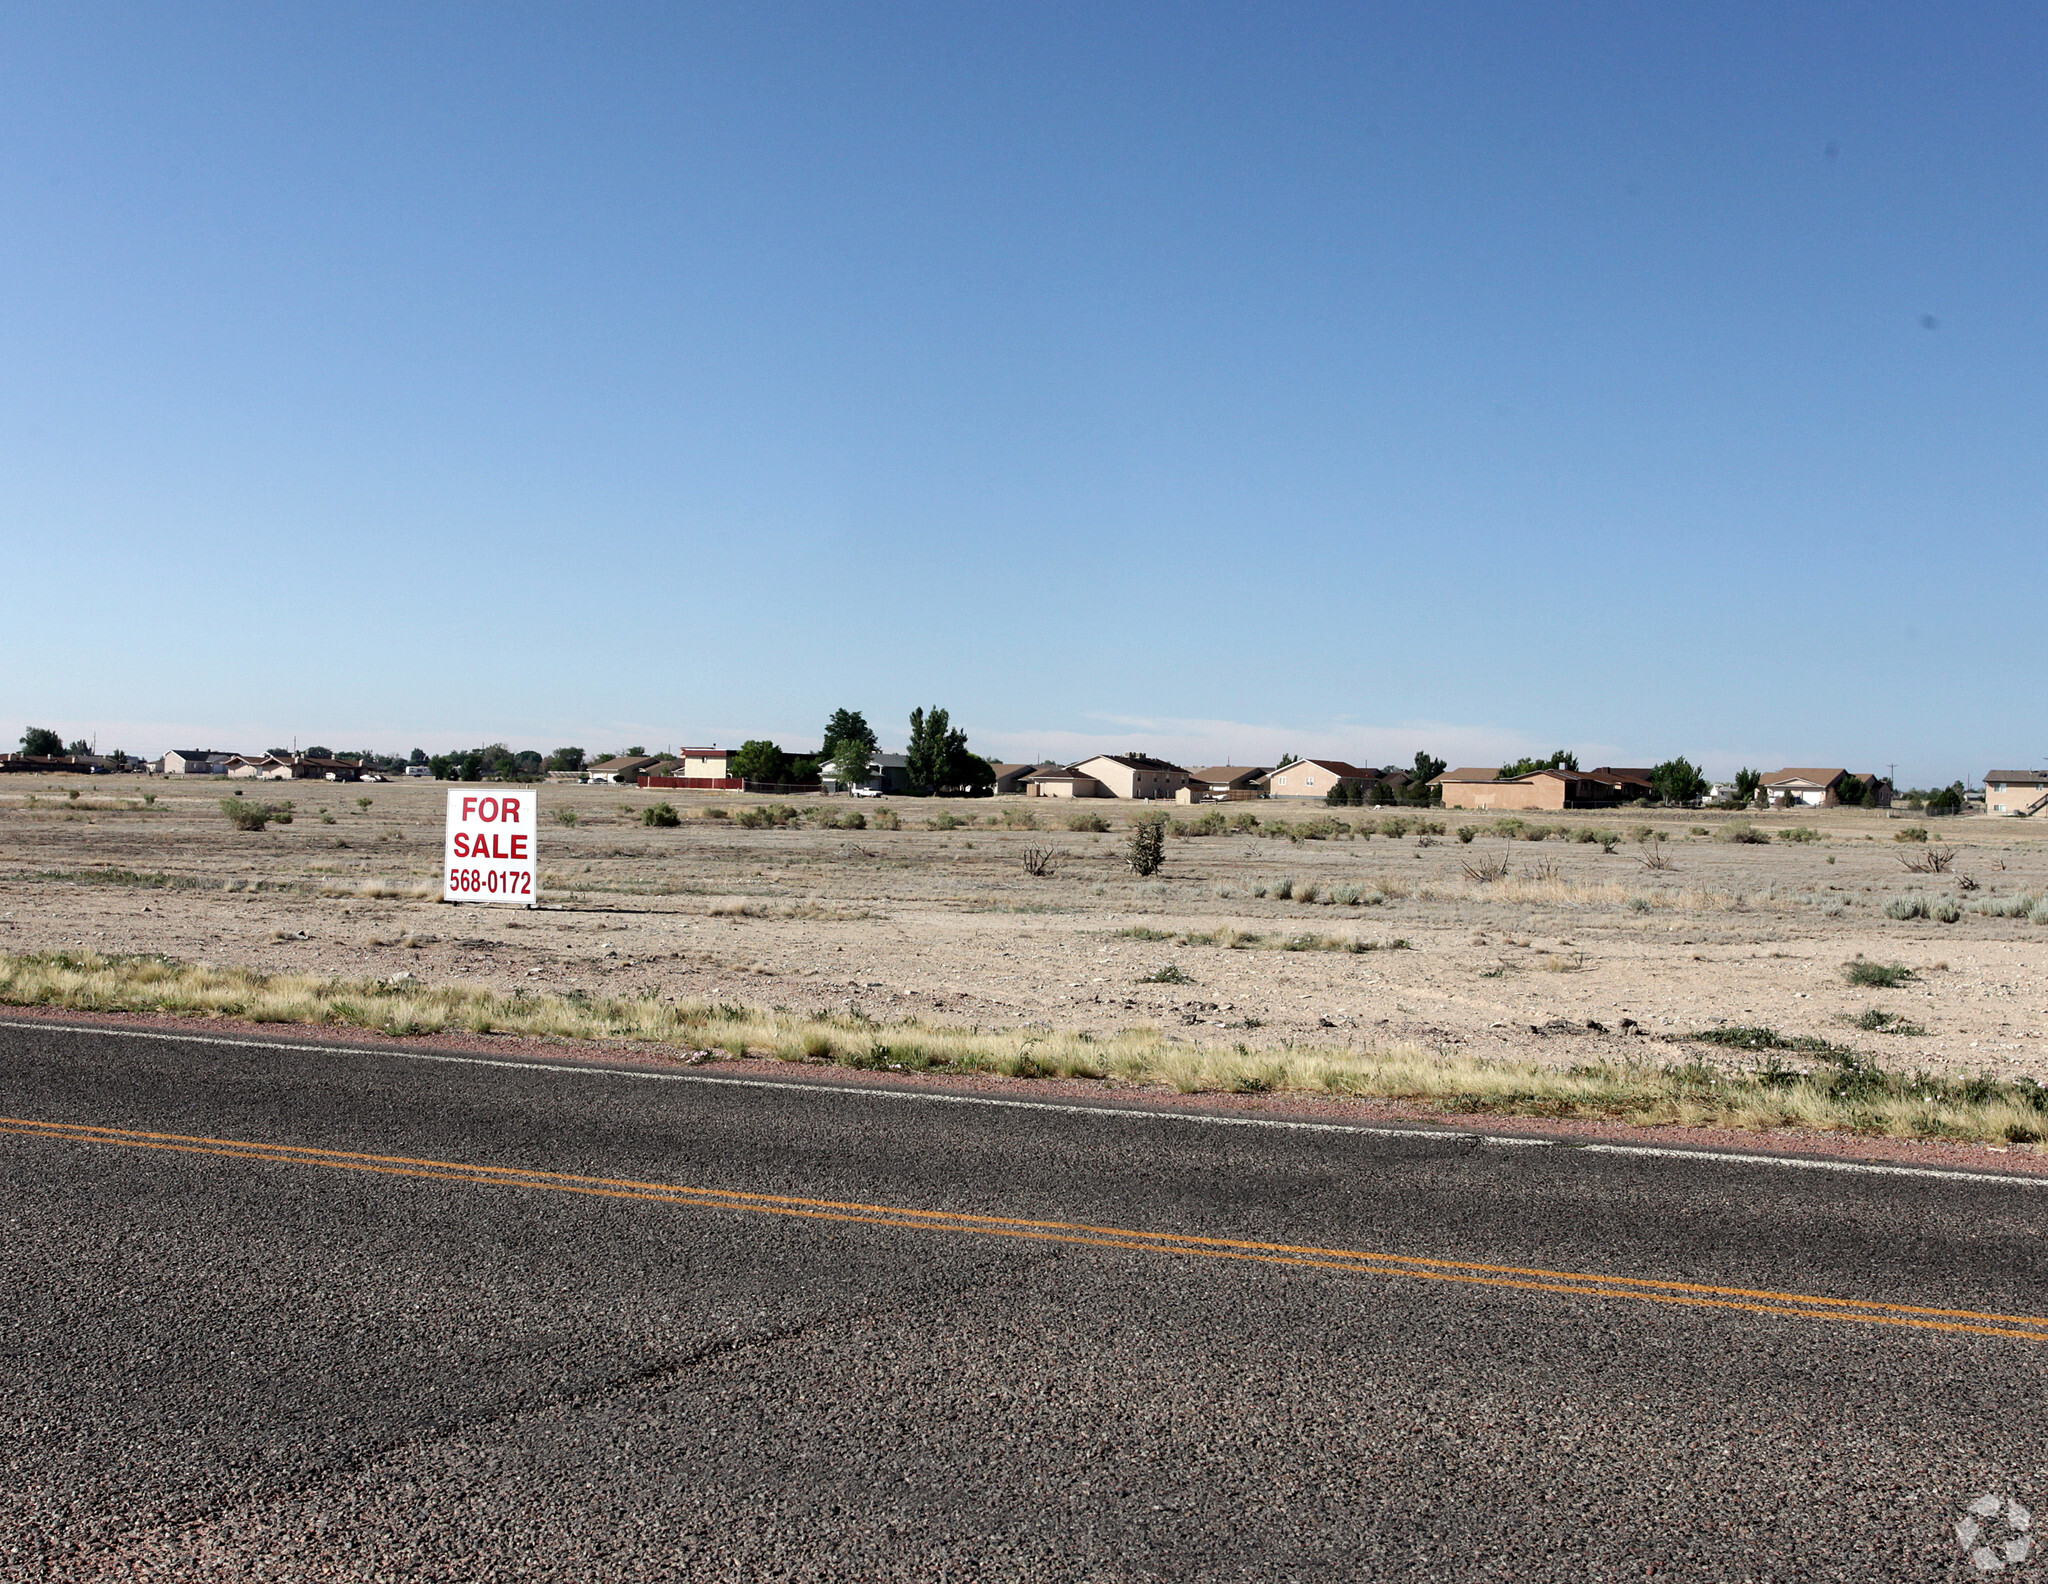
(488, 855)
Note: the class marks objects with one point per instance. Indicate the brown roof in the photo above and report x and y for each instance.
(1822, 777)
(1227, 772)
(1061, 773)
(1338, 767)
(1137, 761)
(1470, 773)
(1611, 773)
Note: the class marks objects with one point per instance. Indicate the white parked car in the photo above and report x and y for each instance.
(866, 792)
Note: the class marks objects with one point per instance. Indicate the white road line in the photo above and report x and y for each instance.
(596, 1069)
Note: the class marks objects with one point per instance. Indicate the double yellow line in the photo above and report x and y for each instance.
(1803, 1306)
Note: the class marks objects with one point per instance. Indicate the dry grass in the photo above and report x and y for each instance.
(1842, 1092)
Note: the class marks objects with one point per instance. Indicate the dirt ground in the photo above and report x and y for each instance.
(1576, 953)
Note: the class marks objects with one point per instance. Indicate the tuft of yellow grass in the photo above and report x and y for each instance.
(1695, 1091)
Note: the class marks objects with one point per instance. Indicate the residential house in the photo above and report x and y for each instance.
(1065, 781)
(1223, 784)
(1010, 777)
(1134, 775)
(1628, 784)
(1313, 778)
(1819, 788)
(887, 772)
(708, 763)
(622, 769)
(1540, 789)
(197, 761)
(2015, 791)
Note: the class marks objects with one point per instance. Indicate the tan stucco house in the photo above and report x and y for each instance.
(2015, 791)
(1134, 775)
(1313, 778)
(1062, 781)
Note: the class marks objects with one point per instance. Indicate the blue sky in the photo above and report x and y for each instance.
(1213, 380)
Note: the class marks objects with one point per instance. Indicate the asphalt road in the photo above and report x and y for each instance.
(522, 1322)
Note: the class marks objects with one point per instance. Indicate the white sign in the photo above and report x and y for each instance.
(489, 854)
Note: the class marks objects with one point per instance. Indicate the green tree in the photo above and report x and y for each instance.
(851, 758)
(1949, 800)
(319, 753)
(39, 742)
(419, 756)
(929, 754)
(1748, 783)
(1851, 791)
(1428, 767)
(969, 771)
(81, 746)
(1678, 781)
(846, 726)
(565, 759)
(759, 760)
(1561, 760)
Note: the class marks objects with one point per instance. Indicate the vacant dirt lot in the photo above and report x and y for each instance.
(1676, 932)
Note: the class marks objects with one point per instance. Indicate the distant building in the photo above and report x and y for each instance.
(1819, 788)
(1010, 777)
(710, 763)
(2015, 791)
(1133, 775)
(621, 770)
(1223, 783)
(1063, 781)
(1313, 778)
(197, 761)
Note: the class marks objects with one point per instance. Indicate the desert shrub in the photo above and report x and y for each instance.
(248, 816)
(1394, 826)
(1946, 911)
(1638, 904)
(565, 816)
(1586, 836)
(1246, 821)
(1307, 891)
(1467, 832)
(1210, 824)
(1509, 829)
(1428, 827)
(776, 816)
(888, 819)
(1146, 850)
(1643, 833)
(852, 819)
(1019, 819)
(718, 813)
(1912, 833)
(1283, 888)
(2008, 907)
(945, 819)
(2039, 913)
(1041, 861)
(1701, 830)
(1884, 976)
(1169, 974)
(1801, 833)
(1087, 822)
(1742, 833)
(1906, 907)
(1345, 895)
(662, 814)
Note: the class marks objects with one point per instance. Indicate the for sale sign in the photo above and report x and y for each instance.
(489, 852)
